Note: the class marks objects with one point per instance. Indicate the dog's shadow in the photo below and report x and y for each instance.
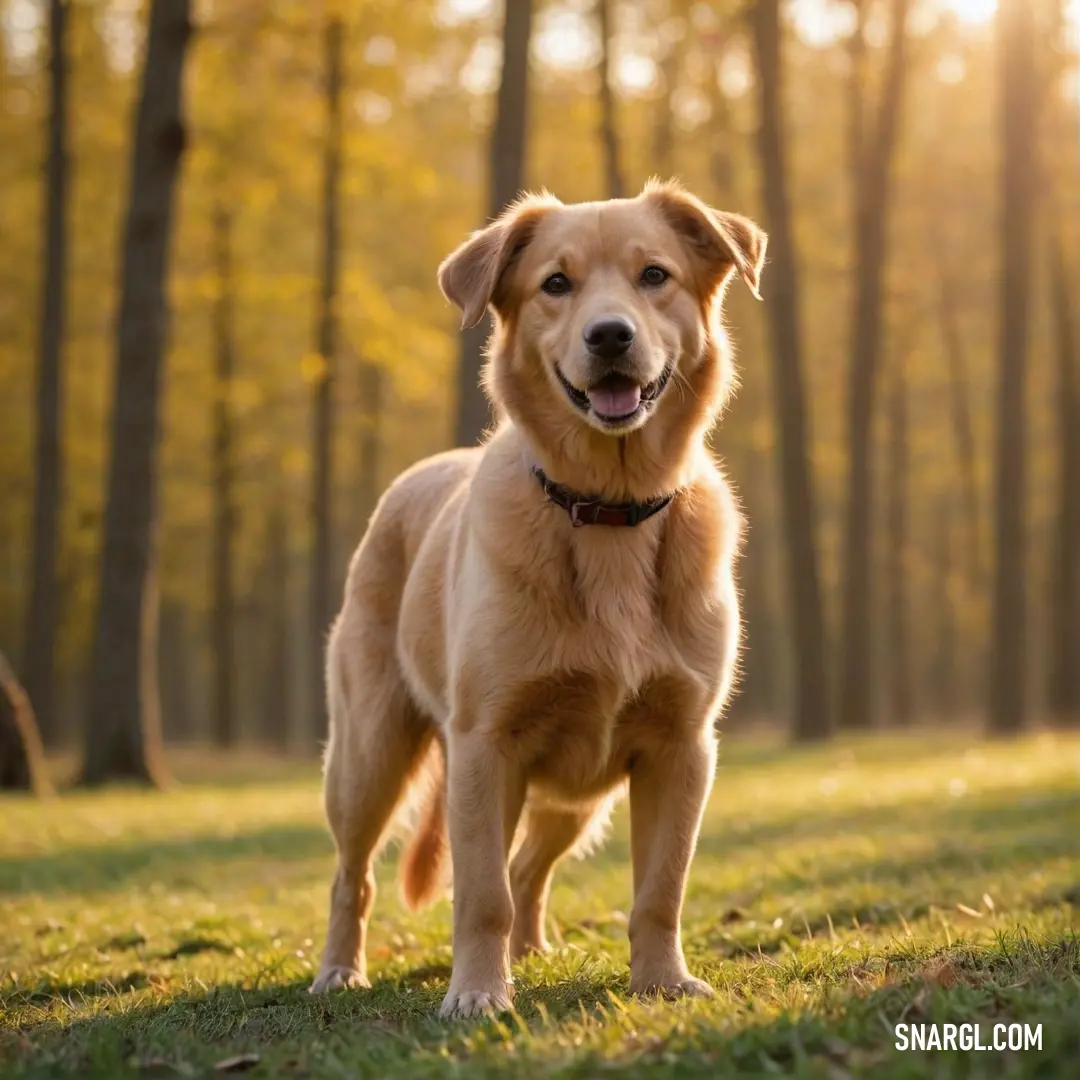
(396, 1019)
(283, 1022)
(418, 976)
(426, 985)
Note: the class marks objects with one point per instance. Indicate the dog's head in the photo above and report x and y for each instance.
(603, 309)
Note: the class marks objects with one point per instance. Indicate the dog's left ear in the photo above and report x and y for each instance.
(722, 242)
(471, 276)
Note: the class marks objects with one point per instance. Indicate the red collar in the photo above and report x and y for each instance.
(590, 510)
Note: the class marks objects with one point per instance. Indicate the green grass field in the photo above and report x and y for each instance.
(836, 892)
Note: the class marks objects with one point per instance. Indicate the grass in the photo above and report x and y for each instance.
(836, 892)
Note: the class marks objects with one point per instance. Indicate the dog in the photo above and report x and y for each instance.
(533, 626)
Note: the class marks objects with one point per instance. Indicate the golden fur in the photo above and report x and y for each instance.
(512, 675)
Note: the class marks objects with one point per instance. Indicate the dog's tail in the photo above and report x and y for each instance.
(424, 860)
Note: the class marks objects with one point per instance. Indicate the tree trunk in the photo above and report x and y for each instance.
(507, 170)
(763, 685)
(811, 713)
(943, 664)
(224, 707)
(322, 549)
(42, 612)
(1064, 676)
(960, 406)
(277, 711)
(721, 129)
(371, 377)
(1008, 668)
(873, 200)
(856, 116)
(901, 707)
(609, 136)
(123, 730)
(22, 757)
(178, 711)
(663, 127)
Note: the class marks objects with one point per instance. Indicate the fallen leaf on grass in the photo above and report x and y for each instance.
(944, 975)
(239, 1063)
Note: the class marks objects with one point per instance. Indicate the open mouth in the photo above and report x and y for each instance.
(616, 399)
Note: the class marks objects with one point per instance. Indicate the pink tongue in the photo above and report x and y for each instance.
(615, 401)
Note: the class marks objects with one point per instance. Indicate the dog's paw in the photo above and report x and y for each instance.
(338, 978)
(467, 1003)
(688, 987)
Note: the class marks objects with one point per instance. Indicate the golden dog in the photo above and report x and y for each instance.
(511, 672)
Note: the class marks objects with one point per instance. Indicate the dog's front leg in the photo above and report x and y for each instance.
(668, 792)
(485, 794)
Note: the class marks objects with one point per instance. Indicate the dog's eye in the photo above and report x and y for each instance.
(557, 285)
(654, 275)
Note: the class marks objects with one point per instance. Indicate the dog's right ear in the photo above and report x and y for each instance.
(471, 276)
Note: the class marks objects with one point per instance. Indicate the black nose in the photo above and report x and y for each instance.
(609, 337)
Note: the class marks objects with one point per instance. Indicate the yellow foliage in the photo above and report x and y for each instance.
(413, 184)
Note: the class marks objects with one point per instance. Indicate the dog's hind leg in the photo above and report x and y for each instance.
(549, 835)
(378, 743)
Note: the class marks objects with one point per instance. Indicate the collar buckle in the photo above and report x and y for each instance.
(575, 512)
(583, 510)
